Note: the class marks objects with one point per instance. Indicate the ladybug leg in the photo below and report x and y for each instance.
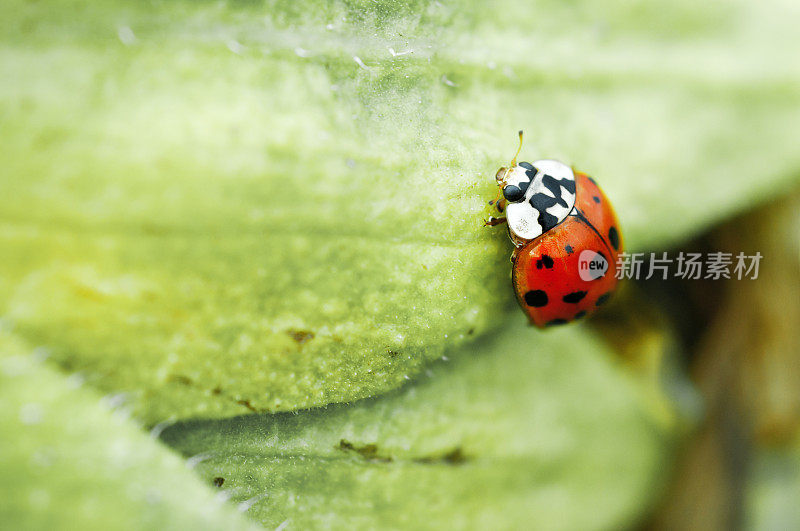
(499, 202)
(493, 222)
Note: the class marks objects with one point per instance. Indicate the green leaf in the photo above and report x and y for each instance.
(224, 207)
(506, 435)
(68, 462)
(773, 488)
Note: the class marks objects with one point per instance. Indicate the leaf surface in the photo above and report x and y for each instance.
(217, 208)
(505, 435)
(70, 461)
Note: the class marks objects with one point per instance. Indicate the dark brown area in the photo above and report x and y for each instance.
(453, 457)
(179, 378)
(367, 451)
(370, 452)
(247, 404)
(300, 336)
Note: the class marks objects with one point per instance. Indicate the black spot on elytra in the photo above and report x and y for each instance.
(574, 297)
(582, 218)
(556, 322)
(527, 165)
(613, 237)
(602, 299)
(580, 314)
(218, 481)
(536, 298)
(596, 199)
(569, 249)
(544, 261)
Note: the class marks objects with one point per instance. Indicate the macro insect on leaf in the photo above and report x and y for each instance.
(566, 239)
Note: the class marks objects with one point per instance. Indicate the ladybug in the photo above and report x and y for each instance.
(566, 239)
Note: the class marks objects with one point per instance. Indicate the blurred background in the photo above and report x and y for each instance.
(245, 282)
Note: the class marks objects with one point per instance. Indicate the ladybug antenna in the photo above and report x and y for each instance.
(514, 160)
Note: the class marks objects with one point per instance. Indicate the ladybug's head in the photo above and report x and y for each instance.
(515, 179)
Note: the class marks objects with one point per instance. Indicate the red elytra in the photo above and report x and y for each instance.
(546, 272)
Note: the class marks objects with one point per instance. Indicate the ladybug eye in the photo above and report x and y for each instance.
(513, 193)
(515, 184)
